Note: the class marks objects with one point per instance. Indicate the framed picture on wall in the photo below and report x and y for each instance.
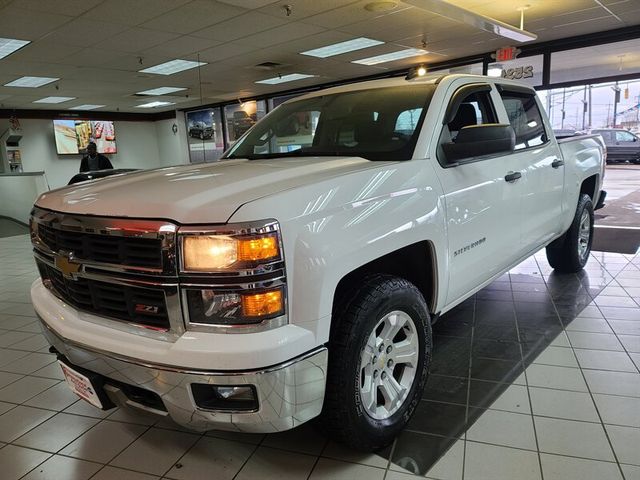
(204, 132)
(242, 117)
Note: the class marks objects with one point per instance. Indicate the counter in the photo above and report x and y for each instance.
(18, 191)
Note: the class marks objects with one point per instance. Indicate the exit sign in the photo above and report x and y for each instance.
(506, 53)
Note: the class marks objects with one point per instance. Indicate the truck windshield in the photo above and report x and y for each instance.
(376, 124)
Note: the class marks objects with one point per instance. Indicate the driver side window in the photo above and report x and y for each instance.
(475, 109)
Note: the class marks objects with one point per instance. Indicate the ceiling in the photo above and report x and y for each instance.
(97, 47)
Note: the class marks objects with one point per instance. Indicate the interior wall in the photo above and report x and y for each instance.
(140, 145)
(173, 148)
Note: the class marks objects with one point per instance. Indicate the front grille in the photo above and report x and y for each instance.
(139, 305)
(120, 250)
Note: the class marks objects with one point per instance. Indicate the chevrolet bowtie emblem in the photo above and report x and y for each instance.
(65, 263)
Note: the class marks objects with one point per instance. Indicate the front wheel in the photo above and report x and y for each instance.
(379, 354)
(570, 253)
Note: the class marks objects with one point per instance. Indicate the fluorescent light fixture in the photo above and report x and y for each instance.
(31, 82)
(10, 45)
(174, 66)
(494, 71)
(155, 104)
(86, 107)
(390, 57)
(342, 47)
(481, 22)
(161, 91)
(54, 99)
(285, 78)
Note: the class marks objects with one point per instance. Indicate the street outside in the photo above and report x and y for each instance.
(618, 223)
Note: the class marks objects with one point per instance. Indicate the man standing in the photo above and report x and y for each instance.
(94, 160)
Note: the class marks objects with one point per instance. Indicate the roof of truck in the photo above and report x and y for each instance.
(431, 78)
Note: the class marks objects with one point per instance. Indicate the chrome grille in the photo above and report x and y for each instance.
(123, 270)
(137, 252)
(112, 300)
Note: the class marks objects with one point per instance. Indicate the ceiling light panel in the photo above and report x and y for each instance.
(31, 82)
(10, 45)
(342, 47)
(285, 78)
(453, 12)
(390, 57)
(54, 99)
(174, 66)
(155, 104)
(86, 107)
(161, 91)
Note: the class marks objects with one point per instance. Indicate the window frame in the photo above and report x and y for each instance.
(457, 99)
(522, 91)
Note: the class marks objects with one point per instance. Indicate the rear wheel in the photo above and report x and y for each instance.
(379, 355)
(571, 253)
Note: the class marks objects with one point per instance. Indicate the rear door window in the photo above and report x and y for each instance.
(525, 119)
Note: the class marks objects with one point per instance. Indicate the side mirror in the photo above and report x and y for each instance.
(479, 140)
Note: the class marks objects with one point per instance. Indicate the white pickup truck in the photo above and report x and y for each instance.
(300, 276)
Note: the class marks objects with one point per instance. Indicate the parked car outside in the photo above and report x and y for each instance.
(622, 145)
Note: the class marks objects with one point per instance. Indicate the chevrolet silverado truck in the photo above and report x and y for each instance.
(300, 276)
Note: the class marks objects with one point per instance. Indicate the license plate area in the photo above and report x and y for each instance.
(87, 385)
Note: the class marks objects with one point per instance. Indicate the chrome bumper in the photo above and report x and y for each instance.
(289, 394)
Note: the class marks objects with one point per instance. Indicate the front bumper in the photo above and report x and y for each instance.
(289, 394)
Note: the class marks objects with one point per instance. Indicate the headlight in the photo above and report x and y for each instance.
(212, 251)
(209, 307)
(233, 276)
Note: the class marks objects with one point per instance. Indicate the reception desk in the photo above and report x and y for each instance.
(18, 191)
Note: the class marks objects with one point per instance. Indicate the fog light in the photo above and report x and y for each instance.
(225, 397)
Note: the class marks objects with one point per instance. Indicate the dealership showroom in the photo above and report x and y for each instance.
(320, 239)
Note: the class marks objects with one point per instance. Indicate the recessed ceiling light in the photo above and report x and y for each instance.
(155, 104)
(86, 107)
(10, 45)
(30, 82)
(390, 57)
(285, 78)
(342, 47)
(54, 99)
(174, 66)
(161, 91)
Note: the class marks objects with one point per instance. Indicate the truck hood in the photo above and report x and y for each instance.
(204, 193)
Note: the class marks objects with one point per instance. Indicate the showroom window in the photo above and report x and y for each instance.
(598, 61)
(407, 121)
(525, 118)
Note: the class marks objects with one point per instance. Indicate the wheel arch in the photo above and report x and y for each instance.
(416, 263)
(589, 187)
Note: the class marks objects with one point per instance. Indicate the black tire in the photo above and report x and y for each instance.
(564, 255)
(344, 417)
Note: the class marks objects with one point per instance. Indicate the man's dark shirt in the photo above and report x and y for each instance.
(103, 163)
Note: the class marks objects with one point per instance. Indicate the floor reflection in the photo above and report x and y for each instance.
(483, 346)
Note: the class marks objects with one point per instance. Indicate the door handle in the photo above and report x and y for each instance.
(557, 163)
(512, 176)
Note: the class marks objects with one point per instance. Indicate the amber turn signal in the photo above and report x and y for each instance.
(263, 304)
(258, 248)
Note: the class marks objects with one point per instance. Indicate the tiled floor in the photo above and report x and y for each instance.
(534, 377)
